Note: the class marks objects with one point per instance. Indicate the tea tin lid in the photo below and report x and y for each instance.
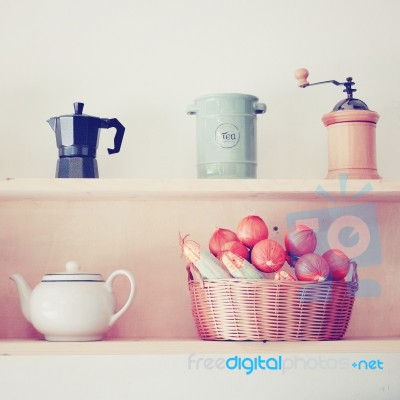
(226, 103)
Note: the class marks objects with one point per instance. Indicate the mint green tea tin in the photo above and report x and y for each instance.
(226, 126)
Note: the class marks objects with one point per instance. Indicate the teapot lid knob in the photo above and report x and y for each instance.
(78, 107)
(72, 267)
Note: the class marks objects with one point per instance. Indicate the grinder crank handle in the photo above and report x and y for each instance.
(119, 135)
(301, 75)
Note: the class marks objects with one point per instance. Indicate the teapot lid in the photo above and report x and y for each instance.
(72, 273)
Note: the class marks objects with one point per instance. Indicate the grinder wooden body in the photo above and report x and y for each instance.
(352, 143)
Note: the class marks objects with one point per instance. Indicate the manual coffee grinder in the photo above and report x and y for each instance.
(77, 137)
(351, 133)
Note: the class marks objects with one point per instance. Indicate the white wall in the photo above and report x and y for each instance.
(144, 62)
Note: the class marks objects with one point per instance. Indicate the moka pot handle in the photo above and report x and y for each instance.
(119, 135)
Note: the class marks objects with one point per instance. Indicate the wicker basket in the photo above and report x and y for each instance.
(264, 309)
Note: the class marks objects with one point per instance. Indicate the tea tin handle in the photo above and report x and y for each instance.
(260, 108)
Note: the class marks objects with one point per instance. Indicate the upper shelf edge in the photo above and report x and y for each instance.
(123, 189)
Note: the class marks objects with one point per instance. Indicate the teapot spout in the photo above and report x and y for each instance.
(24, 291)
(53, 123)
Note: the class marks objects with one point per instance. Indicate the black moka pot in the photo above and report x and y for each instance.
(77, 138)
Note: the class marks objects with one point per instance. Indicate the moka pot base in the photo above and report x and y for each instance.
(77, 167)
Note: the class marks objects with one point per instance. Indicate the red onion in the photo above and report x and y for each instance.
(251, 230)
(236, 247)
(311, 267)
(219, 238)
(300, 240)
(268, 255)
(339, 264)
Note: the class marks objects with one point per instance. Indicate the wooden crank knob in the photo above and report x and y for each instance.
(301, 75)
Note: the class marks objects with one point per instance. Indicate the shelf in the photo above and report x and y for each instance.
(186, 189)
(135, 224)
(190, 346)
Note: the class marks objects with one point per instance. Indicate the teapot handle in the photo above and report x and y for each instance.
(119, 135)
(109, 284)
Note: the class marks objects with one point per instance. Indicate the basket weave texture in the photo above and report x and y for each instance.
(268, 310)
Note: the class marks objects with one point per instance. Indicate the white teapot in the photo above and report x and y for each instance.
(72, 305)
